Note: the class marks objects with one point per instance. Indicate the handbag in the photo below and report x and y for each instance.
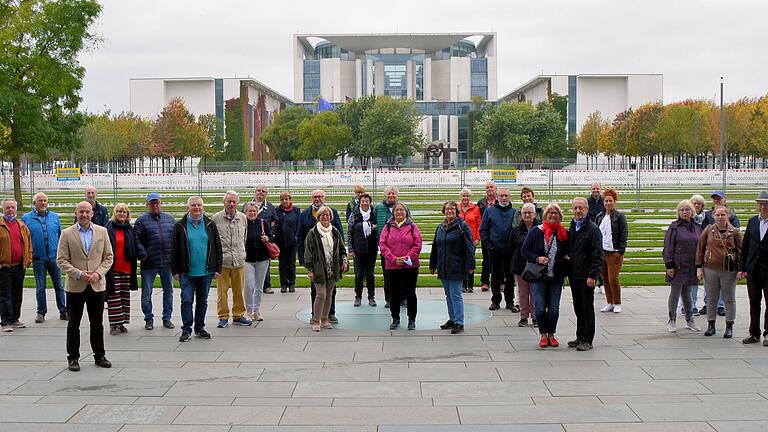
(535, 272)
(729, 263)
(272, 249)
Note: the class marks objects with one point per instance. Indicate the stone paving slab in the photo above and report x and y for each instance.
(368, 415)
(122, 414)
(38, 413)
(243, 415)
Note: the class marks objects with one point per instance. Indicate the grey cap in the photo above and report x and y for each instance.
(762, 196)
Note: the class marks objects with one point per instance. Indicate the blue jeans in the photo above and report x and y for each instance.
(40, 267)
(147, 283)
(194, 289)
(547, 304)
(454, 300)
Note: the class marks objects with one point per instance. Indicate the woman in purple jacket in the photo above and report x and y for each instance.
(400, 244)
(680, 261)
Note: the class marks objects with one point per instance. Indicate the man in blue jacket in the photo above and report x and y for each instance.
(494, 233)
(45, 229)
(153, 231)
(307, 221)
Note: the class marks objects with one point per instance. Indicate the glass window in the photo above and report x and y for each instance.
(479, 65)
(481, 91)
(479, 79)
(310, 94)
(311, 66)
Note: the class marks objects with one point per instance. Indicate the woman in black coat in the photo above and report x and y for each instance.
(453, 257)
(285, 238)
(121, 278)
(517, 264)
(362, 238)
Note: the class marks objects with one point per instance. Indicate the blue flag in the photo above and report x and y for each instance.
(323, 105)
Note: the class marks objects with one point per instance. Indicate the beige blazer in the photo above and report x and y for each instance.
(72, 259)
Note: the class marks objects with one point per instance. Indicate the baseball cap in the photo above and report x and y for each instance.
(718, 193)
(153, 196)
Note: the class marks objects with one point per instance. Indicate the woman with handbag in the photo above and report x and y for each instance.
(517, 265)
(258, 236)
(679, 254)
(121, 278)
(546, 250)
(717, 260)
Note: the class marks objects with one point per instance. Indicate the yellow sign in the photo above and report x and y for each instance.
(67, 174)
(504, 176)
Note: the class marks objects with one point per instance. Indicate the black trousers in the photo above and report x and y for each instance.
(94, 302)
(501, 274)
(757, 288)
(364, 267)
(584, 308)
(387, 289)
(485, 275)
(313, 293)
(11, 293)
(287, 262)
(403, 286)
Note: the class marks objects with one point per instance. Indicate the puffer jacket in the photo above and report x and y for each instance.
(395, 241)
(39, 226)
(453, 251)
(710, 252)
(153, 239)
(232, 236)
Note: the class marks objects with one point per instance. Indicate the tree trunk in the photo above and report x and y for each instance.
(17, 182)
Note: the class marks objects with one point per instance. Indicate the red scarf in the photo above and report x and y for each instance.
(287, 209)
(550, 228)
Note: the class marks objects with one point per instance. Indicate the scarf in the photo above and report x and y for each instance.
(326, 238)
(578, 223)
(10, 218)
(366, 222)
(699, 218)
(550, 229)
(287, 209)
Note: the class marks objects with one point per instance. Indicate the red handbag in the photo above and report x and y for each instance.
(272, 249)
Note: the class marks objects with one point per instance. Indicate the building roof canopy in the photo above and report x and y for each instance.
(363, 42)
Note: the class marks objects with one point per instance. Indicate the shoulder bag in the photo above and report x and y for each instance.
(272, 249)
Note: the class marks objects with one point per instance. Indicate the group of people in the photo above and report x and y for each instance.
(527, 247)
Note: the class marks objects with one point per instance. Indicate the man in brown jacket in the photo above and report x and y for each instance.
(15, 257)
(85, 256)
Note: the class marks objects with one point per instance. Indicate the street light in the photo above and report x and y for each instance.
(723, 164)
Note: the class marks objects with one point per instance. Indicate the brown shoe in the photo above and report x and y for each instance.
(40, 318)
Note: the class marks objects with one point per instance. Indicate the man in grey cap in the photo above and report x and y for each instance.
(153, 231)
(718, 199)
(754, 265)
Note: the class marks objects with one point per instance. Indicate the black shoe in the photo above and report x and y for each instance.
(509, 306)
(149, 325)
(464, 290)
(411, 324)
(332, 319)
(721, 311)
(703, 310)
(750, 339)
(728, 330)
(403, 302)
(448, 325)
(184, 337)
(386, 305)
(710, 329)
(493, 307)
(168, 324)
(534, 324)
(584, 346)
(103, 362)
(73, 365)
(358, 301)
(470, 290)
(372, 302)
(202, 334)
(458, 328)
(283, 289)
(395, 324)
(291, 289)
(515, 309)
(64, 316)
(523, 322)
(574, 343)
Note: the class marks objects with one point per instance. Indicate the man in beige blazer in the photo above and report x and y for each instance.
(85, 256)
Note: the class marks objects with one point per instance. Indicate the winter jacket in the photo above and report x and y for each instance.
(516, 239)
(453, 251)
(153, 239)
(43, 246)
(473, 218)
(314, 256)
(255, 249)
(596, 206)
(679, 253)
(180, 247)
(5, 243)
(356, 239)
(755, 249)
(496, 226)
(400, 241)
(709, 218)
(619, 229)
(232, 235)
(129, 252)
(710, 252)
(306, 222)
(383, 213)
(534, 247)
(287, 228)
(586, 250)
(519, 215)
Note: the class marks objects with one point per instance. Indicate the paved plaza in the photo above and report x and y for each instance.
(279, 376)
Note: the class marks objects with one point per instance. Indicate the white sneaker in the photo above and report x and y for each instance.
(616, 308)
(691, 325)
(607, 308)
(671, 326)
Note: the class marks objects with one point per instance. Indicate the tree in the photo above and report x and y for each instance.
(282, 136)
(234, 148)
(352, 114)
(40, 76)
(323, 137)
(176, 134)
(215, 129)
(591, 134)
(548, 132)
(118, 138)
(560, 103)
(390, 129)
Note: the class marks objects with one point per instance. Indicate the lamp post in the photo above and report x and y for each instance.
(723, 163)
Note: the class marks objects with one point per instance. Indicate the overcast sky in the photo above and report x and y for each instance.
(692, 43)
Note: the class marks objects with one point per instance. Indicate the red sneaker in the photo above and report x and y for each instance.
(543, 342)
(553, 341)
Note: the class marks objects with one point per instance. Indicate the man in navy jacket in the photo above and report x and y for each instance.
(494, 232)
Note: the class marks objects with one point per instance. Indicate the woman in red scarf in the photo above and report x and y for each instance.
(547, 245)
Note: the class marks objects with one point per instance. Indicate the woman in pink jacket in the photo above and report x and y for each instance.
(400, 244)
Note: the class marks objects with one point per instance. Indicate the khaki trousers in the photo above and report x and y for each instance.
(230, 277)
